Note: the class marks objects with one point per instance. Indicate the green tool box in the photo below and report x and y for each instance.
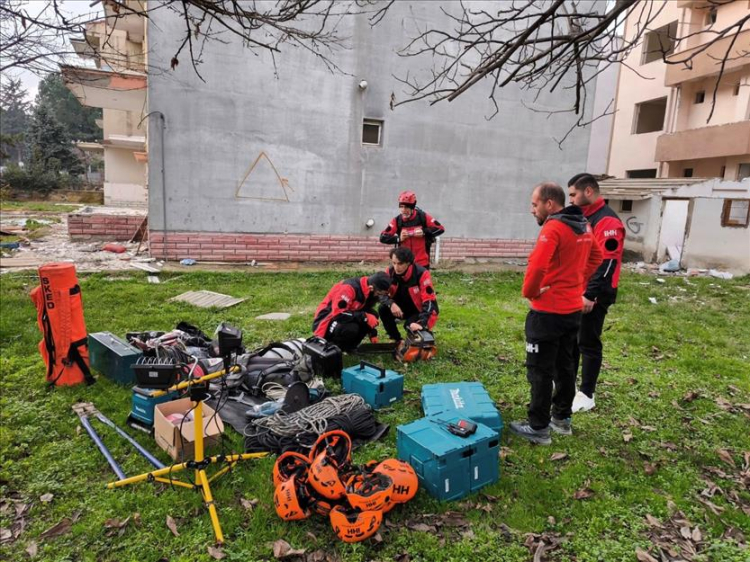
(112, 357)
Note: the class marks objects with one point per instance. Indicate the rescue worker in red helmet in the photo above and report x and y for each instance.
(411, 297)
(346, 314)
(413, 228)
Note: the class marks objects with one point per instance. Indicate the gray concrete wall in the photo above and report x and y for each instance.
(603, 112)
(474, 174)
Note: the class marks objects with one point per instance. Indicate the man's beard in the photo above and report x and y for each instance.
(540, 221)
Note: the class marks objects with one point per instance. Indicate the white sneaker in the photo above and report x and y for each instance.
(582, 403)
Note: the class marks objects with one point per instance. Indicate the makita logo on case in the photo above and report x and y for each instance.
(532, 347)
(458, 402)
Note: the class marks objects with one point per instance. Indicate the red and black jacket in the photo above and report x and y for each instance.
(351, 296)
(609, 232)
(420, 246)
(563, 259)
(416, 285)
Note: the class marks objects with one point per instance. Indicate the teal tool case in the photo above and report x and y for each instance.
(378, 386)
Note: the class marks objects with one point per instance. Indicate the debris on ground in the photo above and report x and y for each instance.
(207, 299)
(274, 316)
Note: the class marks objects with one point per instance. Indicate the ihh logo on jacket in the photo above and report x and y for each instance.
(532, 347)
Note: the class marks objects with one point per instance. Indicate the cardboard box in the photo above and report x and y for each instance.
(167, 435)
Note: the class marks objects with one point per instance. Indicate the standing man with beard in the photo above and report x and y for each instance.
(413, 229)
(411, 297)
(601, 290)
(564, 257)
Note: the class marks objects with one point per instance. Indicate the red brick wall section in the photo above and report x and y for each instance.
(91, 226)
(216, 246)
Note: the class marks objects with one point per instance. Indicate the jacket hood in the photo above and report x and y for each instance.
(571, 216)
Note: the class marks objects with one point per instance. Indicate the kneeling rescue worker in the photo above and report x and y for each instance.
(346, 314)
(411, 297)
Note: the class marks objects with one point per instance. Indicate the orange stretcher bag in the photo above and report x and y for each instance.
(64, 345)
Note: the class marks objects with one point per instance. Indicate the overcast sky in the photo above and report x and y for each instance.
(69, 8)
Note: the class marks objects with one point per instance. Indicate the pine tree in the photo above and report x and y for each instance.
(14, 119)
(79, 121)
(49, 145)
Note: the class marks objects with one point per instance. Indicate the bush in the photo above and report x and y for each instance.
(20, 180)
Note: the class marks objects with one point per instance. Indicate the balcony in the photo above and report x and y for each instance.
(706, 61)
(125, 91)
(701, 3)
(731, 139)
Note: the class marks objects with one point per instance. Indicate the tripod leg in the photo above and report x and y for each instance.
(209, 500)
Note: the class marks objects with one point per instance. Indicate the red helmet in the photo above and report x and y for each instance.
(290, 464)
(352, 525)
(407, 198)
(405, 482)
(290, 500)
(336, 444)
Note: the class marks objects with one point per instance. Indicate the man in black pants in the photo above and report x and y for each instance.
(564, 256)
(601, 290)
(411, 297)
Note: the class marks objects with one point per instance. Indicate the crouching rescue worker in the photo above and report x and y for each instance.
(563, 259)
(411, 297)
(346, 315)
(413, 229)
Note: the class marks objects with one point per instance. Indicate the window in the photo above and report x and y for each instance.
(626, 205)
(743, 172)
(687, 173)
(640, 174)
(700, 97)
(711, 17)
(372, 132)
(723, 171)
(736, 213)
(659, 43)
(648, 116)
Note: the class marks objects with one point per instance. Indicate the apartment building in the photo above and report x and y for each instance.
(115, 80)
(675, 124)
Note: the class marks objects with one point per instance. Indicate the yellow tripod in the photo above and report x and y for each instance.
(199, 463)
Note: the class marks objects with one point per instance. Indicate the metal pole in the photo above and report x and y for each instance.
(149, 457)
(102, 447)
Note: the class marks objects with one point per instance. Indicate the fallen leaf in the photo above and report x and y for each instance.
(715, 509)
(248, 504)
(116, 523)
(316, 556)
(60, 529)
(32, 549)
(422, 528)
(724, 404)
(6, 535)
(404, 557)
(649, 468)
(634, 422)
(216, 553)
(696, 535)
(726, 456)
(644, 556)
(468, 535)
(551, 520)
(654, 394)
(539, 552)
(172, 526)
(685, 532)
(627, 436)
(377, 538)
(583, 493)
(282, 549)
(46, 498)
(653, 521)
(690, 396)
(558, 456)
(311, 536)
(648, 428)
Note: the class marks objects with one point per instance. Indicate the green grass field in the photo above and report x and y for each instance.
(663, 461)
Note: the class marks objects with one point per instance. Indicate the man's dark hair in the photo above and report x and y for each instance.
(403, 255)
(550, 190)
(379, 281)
(584, 180)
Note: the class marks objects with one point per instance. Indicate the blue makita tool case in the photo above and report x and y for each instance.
(379, 387)
(467, 399)
(449, 467)
(142, 408)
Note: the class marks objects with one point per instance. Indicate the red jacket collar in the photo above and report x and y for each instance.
(364, 286)
(589, 210)
(405, 276)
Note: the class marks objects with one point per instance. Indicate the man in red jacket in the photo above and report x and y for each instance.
(413, 229)
(564, 257)
(345, 316)
(411, 297)
(601, 290)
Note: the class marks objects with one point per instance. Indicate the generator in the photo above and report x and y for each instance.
(467, 399)
(452, 458)
(378, 386)
(112, 356)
